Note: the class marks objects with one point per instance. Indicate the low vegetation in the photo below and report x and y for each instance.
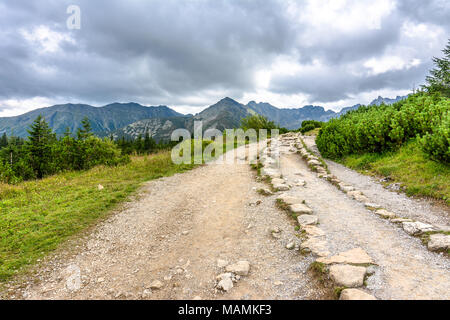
(310, 125)
(408, 165)
(409, 141)
(38, 215)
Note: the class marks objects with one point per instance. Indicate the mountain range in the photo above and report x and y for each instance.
(132, 119)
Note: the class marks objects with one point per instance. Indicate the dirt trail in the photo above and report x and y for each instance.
(175, 233)
(180, 226)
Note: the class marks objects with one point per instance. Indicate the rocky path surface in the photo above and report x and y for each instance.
(176, 239)
(222, 232)
(398, 266)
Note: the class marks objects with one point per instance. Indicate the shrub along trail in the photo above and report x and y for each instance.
(186, 230)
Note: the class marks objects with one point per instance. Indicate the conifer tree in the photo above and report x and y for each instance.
(39, 146)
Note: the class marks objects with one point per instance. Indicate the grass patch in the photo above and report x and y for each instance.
(314, 132)
(409, 166)
(36, 216)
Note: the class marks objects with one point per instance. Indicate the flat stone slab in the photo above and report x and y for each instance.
(370, 205)
(401, 220)
(347, 276)
(270, 173)
(317, 246)
(385, 214)
(281, 187)
(278, 181)
(307, 220)
(355, 294)
(417, 228)
(300, 209)
(240, 268)
(313, 231)
(289, 199)
(353, 256)
(439, 242)
(314, 163)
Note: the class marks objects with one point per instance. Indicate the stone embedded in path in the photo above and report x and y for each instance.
(289, 199)
(313, 231)
(267, 172)
(225, 282)
(313, 163)
(355, 294)
(156, 285)
(417, 228)
(222, 263)
(347, 276)
(317, 246)
(358, 196)
(281, 187)
(307, 220)
(346, 187)
(300, 209)
(439, 242)
(401, 220)
(372, 206)
(353, 256)
(290, 246)
(241, 268)
(385, 214)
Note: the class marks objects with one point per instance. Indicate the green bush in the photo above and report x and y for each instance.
(376, 129)
(437, 143)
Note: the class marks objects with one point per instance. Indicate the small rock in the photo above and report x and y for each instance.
(417, 228)
(313, 231)
(317, 246)
(222, 263)
(385, 214)
(241, 268)
(300, 209)
(278, 283)
(372, 205)
(168, 278)
(225, 282)
(355, 294)
(100, 280)
(281, 187)
(156, 285)
(289, 199)
(146, 294)
(307, 220)
(185, 233)
(353, 256)
(347, 276)
(401, 220)
(100, 187)
(439, 242)
(290, 246)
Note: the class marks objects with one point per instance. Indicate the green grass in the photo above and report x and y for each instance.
(409, 166)
(36, 216)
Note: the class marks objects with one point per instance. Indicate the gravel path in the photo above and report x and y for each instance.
(406, 269)
(419, 209)
(175, 233)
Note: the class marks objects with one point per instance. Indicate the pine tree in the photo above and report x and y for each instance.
(439, 78)
(86, 129)
(39, 147)
(149, 143)
(3, 141)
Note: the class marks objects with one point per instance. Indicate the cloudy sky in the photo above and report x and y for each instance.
(188, 54)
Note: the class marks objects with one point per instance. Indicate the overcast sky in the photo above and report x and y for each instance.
(190, 54)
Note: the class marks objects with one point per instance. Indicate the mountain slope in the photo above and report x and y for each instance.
(103, 119)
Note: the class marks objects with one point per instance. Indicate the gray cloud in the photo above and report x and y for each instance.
(167, 51)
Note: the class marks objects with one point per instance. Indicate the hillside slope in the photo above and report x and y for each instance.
(103, 119)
